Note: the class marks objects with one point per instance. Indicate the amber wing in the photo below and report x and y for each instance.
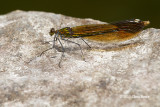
(102, 33)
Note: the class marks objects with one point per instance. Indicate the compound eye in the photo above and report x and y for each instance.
(52, 31)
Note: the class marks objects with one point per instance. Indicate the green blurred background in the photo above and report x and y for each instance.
(104, 10)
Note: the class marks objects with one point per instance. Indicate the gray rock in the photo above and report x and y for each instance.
(115, 74)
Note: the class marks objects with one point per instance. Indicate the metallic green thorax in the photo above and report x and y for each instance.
(66, 32)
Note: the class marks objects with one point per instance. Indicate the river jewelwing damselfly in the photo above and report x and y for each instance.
(113, 32)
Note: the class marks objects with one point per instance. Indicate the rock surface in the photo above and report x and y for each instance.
(119, 74)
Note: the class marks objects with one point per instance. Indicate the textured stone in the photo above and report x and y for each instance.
(115, 74)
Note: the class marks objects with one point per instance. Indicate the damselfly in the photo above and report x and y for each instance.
(118, 31)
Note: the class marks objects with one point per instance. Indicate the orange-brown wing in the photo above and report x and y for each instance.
(102, 33)
(119, 31)
(92, 29)
(112, 37)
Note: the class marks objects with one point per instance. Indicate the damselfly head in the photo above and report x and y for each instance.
(52, 31)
